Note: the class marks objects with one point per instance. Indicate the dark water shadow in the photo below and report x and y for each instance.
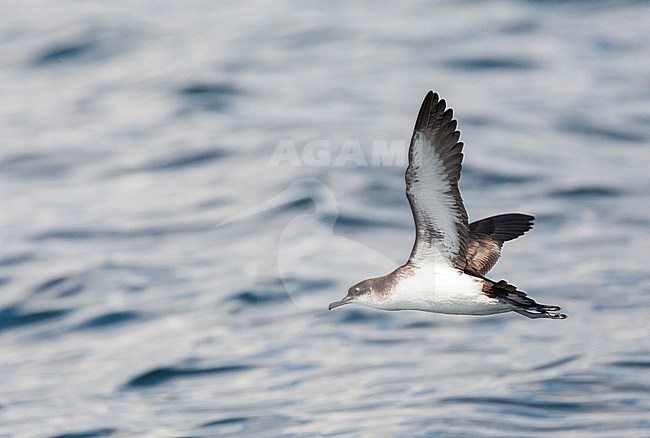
(556, 363)
(16, 259)
(486, 178)
(535, 405)
(61, 286)
(109, 319)
(630, 364)
(226, 421)
(185, 160)
(583, 192)
(65, 52)
(13, 317)
(213, 97)
(93, 433)
(488, 63)
(621, 134)
(165, 374)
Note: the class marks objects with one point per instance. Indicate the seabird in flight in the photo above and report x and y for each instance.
(450, 258)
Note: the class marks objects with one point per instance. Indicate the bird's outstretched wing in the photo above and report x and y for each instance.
(486, 237)
(435, 161)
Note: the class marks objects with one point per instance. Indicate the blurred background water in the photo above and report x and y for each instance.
(162, 275)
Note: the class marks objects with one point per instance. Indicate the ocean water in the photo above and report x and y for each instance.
(185, 186)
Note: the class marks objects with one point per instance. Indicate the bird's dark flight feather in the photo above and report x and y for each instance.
(523, 304)
(486, 237)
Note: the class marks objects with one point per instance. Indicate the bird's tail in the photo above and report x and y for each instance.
(523, 304)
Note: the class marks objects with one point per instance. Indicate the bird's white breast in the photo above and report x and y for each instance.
(440, 288)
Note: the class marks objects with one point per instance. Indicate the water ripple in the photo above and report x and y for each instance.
(256, 298)
(490, 64)
(93, 433)
(88, 233)
(226, 421)
(486, 178)
(65, 52)
(16, 259)
(165, 374)
(556, 363)
(209, 96)
(182, 161)
(110, 319)
(356, 221)
(62, 286)
(603, 133)
(12, 316)
(630, 364)
(587, 192)
(536, 405)
(354, 316)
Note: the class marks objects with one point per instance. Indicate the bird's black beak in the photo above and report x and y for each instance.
(335, 304)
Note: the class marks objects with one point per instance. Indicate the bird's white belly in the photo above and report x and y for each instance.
(443, 289)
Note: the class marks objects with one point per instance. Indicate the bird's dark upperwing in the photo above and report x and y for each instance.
(435, 160)
(486, 237)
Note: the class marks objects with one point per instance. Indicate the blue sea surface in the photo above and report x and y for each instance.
(185, 186)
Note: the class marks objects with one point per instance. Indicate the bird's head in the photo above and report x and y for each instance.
(363, 293)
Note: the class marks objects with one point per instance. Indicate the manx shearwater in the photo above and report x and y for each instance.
(450, 258)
